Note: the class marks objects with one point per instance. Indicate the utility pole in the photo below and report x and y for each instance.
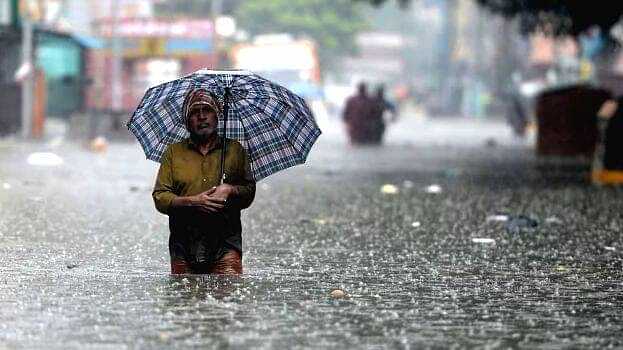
(28, 83)
(116, 68)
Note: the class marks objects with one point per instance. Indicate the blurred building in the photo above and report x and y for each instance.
(148, 50)
(58, 67)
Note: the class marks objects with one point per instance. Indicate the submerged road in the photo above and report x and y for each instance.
(439, 239)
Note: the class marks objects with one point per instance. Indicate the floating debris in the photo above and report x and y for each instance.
(134, 188)
(164, 336)
(562, 268)
(99, 145)
(553, 220)
(498, 218)
(337, 294)
(407, 184)
(416, 224)
(451, 173)
(320, 221)
(72, 266)
(491, 142)
(520, 222)
(389, 189)
(612, 249)
(433, 189)
(44, 159)
(484, 240)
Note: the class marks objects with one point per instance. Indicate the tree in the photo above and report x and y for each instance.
(556, 17)
(559, 17)
(333, 24)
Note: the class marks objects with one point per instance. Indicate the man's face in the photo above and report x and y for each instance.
(202, 121)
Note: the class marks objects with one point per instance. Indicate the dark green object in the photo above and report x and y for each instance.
(62, 60)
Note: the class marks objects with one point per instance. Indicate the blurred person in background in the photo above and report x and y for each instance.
(204, 214)
(357, 115)
(377, 122)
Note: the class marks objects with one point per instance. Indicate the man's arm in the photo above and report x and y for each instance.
(245, 188)
(241, 192)
(164, 191)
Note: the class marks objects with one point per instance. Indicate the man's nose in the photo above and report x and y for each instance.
(203, 114)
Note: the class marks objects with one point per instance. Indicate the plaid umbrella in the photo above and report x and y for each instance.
(275, 126)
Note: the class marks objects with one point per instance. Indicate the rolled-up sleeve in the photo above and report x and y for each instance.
(163, 193)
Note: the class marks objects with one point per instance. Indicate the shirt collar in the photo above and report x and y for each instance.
(219, 144)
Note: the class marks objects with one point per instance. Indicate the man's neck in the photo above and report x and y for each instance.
(206, 145)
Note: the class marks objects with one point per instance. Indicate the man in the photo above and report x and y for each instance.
(357, 113)
(204, 215)
(377, 120)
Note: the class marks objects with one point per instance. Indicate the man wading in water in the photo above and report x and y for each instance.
(204, 215)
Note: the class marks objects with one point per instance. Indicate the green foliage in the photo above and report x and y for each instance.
(559, 17)
(331, 23)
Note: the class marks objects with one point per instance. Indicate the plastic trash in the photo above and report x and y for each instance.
(44, 159)
(434, 189)
(497, 218)
(416, 224)
(389, 189)
(483, 240)
(553, 220)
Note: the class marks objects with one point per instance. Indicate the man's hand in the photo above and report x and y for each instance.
(208, 202)
(224, 191)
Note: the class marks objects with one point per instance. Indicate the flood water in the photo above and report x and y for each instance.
(84, 258)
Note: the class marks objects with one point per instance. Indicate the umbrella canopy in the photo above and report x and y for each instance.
(274, 125)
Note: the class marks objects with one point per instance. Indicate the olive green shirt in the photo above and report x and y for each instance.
(184, 171)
